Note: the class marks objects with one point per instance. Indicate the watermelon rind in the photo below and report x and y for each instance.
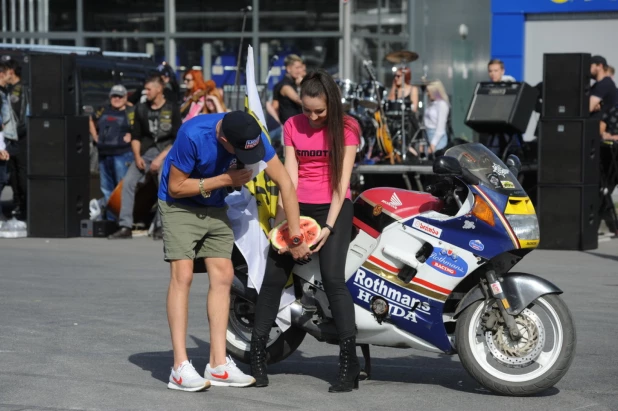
(275, 231)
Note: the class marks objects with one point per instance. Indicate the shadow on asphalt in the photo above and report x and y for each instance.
(606, 256)
(444, 371)
(159, 363)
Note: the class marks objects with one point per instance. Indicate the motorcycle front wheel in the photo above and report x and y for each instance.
(240, 326)
(518, 368)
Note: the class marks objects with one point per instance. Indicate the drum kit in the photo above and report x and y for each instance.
(389, 126)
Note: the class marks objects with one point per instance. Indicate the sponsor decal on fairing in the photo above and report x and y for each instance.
(476, 245)
(447, 262)
(394, 201)
(427, 228)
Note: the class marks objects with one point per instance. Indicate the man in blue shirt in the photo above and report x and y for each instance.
(206, 158)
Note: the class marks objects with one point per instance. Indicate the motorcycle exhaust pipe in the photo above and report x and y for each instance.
(241, 289)
(303, 319)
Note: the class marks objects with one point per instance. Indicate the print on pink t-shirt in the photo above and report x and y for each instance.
(311, 147)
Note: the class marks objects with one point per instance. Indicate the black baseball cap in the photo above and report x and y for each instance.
(244, 133)
(598, 60)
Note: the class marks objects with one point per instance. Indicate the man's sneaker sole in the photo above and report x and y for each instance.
(232, 384)
(174, 386)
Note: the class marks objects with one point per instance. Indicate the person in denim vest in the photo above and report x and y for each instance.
(111, 129)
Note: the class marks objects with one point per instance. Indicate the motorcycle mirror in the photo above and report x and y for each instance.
(447, 166)
(513, 163)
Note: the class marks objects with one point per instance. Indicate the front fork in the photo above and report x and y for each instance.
(494, 289)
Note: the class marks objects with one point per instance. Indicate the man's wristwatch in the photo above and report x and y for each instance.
(204, 193)
(296, 240)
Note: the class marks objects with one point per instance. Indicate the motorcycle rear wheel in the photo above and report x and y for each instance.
(240, 325)
(533, 364)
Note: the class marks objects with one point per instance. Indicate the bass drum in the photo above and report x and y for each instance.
(368, 93)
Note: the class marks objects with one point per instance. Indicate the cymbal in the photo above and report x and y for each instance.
(402, 56)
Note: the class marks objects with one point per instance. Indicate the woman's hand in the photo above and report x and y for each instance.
(4, 155)
(321, 239)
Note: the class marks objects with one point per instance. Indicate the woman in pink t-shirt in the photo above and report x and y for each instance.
(320, 149)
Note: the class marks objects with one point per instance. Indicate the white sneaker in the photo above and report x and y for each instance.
(187, 379)
(228, 375)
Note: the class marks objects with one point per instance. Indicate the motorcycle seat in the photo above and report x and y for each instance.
(398, 203)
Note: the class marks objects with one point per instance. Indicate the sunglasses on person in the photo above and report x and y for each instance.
(116, 96)
(188, 80)
(397, 75)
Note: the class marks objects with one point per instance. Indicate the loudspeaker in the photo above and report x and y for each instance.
(566, 85)
(58, 147)
(568, 217)
(53, 85)
(56, 206)
(501, 107)
(569, 151)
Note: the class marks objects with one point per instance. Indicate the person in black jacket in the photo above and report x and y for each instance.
(111, 129)
(18, 149)
(154, 130)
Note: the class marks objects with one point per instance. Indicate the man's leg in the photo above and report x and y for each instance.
(122, 162)
(133, 176)
(220, 275)
(22, 170)
(178, 307)
(106, 175)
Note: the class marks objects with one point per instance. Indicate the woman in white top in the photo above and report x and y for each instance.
(436, 116)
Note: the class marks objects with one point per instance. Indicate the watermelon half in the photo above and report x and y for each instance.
(280, 235)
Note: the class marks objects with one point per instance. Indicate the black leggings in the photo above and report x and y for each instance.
(332, 264)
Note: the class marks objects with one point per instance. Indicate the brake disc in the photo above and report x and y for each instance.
(520, 353)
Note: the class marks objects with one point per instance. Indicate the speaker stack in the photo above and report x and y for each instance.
(58, 150)
(568, 177)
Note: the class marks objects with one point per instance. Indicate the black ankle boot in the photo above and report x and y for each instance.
(258, 360)
(349, 367)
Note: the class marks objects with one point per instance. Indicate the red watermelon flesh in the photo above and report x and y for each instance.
(280, 235)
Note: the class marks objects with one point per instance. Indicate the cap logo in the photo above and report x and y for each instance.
(252, 143)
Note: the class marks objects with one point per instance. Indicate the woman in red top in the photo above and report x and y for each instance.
(320, 149)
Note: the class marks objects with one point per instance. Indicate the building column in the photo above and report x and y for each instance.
(347, 40)
(170, 29)
(79, 40)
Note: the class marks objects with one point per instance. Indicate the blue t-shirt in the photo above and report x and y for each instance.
(198, 153)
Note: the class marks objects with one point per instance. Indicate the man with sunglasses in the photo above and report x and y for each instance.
(110, 128)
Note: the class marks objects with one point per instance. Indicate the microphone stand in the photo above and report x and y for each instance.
(242, 38)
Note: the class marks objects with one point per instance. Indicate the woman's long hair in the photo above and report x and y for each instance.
(437, 91)
(317, 84)
(198, 81)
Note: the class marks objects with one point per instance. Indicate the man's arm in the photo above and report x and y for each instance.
(290, 93)
(93, 130)
(595, 103)
(273, 109)
(180, 185)
(600, 90)
(136, 140)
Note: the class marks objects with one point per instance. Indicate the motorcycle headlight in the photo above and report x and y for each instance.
(526, 228)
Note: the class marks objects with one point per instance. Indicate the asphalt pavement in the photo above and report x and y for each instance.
(83, 327)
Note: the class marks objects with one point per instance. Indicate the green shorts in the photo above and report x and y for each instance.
(195, 232)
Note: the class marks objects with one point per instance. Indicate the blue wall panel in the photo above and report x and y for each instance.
(552, 6)
(507, 42)
(509, 20)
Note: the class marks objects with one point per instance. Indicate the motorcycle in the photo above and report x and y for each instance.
(432, 271)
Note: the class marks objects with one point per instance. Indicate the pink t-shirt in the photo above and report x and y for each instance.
(311, 147)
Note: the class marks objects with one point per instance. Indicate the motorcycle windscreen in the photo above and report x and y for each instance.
(488, 168)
